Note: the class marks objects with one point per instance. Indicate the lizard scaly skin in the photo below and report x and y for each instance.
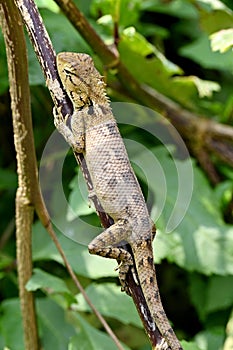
(92, 130)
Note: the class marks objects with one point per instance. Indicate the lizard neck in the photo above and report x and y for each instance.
(95, 114)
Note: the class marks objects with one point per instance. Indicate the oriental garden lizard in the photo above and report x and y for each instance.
(92, 130)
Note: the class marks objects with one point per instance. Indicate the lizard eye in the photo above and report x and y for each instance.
(68, 72)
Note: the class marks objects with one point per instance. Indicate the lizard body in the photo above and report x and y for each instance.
(92, 130)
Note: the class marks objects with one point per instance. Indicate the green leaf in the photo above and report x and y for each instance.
(138, 44)
(123, 12)
(78, 204)
(211, 294)
(90, 338)
(229, 333)
(160, 73)
(105, 296)
(11, 324)
(177, 8)
(205, 249)
(219, 293)
(222, 40)
(49, 4)
(211, 338)
(3, 63)
(202, 242)
(214, 20)
(55, 330)
(189, 345)
(200, 51)
(5, 262)
(8, 179)
(213, 5)
(198, 293)
(205, 88)
(44, 280)
(81, 261)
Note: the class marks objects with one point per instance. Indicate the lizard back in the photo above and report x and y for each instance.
(113, 178)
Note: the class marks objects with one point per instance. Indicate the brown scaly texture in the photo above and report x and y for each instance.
(92, 130)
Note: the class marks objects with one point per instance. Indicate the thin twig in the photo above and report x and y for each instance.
(45, 220)
(7, 233)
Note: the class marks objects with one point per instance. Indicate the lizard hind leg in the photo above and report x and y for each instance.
(105, 245)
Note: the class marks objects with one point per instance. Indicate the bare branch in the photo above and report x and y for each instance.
(26, 162)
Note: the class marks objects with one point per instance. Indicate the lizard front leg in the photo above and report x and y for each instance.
(105, 245)
(74, 133)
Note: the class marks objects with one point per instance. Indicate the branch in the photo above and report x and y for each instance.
(23, 138)
(187, 123)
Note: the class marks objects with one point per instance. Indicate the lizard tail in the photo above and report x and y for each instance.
(144, 261)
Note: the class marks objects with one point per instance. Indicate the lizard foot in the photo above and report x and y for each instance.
(123, 270)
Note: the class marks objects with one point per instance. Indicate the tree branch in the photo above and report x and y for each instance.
(23, 138)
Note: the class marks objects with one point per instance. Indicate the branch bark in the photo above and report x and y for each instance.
(12, 28)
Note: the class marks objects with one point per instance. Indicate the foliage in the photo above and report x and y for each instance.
(183, 49)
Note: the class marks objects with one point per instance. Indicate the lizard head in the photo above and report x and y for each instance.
(81, 80)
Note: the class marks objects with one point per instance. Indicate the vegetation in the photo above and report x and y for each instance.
(179, 52)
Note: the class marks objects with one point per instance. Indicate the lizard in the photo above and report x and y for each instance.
(92, 130)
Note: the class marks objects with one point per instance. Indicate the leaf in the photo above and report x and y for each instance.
(177, 8)
(229, 334)
(205, 88)
(11, 323)
(8, 179)
(211, 338)
(198, 294)
(111, 302)
(3, 63)
(211, 294)
(89, 337)
(201, 242)
(55, 330)
(160, 73)
(78, 205)
(49, 4)
(222, 40)
(137, 43)
(213, 5)
(200, 51)
(43, 280)
(189, 345)
(81, 261)
(219, 293)
(124, 12)
(214, 20)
